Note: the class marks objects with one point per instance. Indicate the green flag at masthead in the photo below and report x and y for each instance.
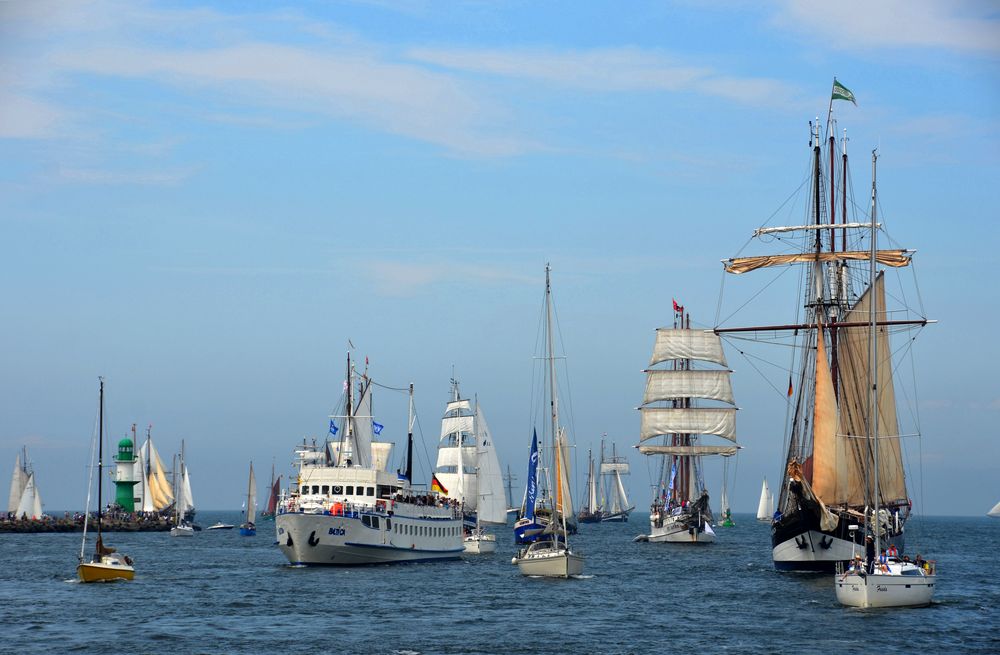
(841, 92)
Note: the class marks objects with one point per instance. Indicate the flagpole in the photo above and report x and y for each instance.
(829, 113)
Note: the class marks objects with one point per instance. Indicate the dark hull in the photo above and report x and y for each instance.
(799, 544)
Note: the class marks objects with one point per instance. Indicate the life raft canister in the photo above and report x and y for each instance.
(337, 509)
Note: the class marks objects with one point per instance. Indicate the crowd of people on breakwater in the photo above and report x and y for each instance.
(114, 518)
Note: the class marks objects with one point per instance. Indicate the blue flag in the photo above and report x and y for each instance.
(673, 475)
(532, 493)
(333, 427)
(377, 427)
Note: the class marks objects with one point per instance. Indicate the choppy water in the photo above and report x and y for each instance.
(219, 592)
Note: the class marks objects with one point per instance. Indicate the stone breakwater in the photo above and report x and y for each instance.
(75, 524)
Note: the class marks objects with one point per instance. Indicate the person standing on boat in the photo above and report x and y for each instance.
(892, 552)
(869, 554)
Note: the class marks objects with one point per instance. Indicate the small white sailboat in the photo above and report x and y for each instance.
(106, 565)
(995, 512)
(491, 503)
(182, 499)
(591, 512)
(765, 507)
(25, 501)
(615, 504)
(549, 554)
(892, 582)
(219, 525)
(249, 526)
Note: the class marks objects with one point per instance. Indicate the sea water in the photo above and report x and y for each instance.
(219, 592)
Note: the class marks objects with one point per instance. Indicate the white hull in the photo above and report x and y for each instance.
(904, 585)
(480, 544)
(788, 554)
(673, 531)
(323, 538)
(182, 531)
(549, 562)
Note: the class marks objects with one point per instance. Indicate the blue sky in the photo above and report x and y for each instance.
(204, 202)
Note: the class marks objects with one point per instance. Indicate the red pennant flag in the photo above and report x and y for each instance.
(789, 386)
(677, 308)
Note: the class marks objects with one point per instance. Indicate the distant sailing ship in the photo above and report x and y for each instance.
(827, 487)
(273, 495)
(995, 512)
(612, 506)
(183, 500)
(675, 414)
(25, 501)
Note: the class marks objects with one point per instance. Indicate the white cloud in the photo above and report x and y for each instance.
(952, 25)
(25, 117)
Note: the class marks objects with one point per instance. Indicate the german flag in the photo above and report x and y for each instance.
(437, 486)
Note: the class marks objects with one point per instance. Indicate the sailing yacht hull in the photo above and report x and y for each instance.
(550, 563)
(348, 540)
(905, 586)
(106, 570)
(620, 517)
(182, 531)
(480, 544)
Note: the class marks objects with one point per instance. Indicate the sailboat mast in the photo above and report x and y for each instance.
(872, 357)
(100, 460)
(554, 402)
(409, 438)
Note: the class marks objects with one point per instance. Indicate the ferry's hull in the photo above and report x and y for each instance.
(104, 572)
(344, 540)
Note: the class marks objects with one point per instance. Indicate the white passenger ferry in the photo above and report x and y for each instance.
(346, 509)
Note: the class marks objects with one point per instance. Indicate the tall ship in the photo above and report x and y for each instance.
(688, 399)
(345, 508)
(468, 467)
(826, 483)
(606, 500)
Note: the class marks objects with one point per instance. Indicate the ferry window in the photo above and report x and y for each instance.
(315, 488)
(371, 491)
(388, 525)
(337, 489)
(350, 490)
(326, 489)
(366, 521)
(375, 522)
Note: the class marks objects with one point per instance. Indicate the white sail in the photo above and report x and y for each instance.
(381, 451)
(18, 481)
(673, 343)
(30, 504)
(995, 512)
(720, 421)
(765, 508)
(671, 385)
(619, 499)
(457, 455)
(591, 487)
(492, 505)
(725, 451)
(142, 490)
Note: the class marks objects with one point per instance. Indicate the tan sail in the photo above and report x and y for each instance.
(670, 385)
(854, 388)
(720, 421)
(738, 265)
(676, 343)
(827, 463)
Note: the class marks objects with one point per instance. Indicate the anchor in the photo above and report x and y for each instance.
(825, 542)
(312, 538)
(801, 544)
(289, 542)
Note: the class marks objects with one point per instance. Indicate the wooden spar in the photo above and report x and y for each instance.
(806, 326)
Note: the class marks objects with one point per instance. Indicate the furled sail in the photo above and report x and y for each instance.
(252, 497)
(670, 385)
(673, 343)
(564, 499)
(738, 265)
(689, 450)
(720, 421)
